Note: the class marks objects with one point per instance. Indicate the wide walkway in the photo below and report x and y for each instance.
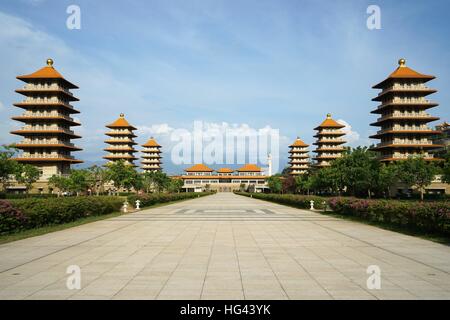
(224, 247)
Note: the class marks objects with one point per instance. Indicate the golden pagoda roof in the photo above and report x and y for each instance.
(199, 168)
(121, 122)
(225, 170)
(299, 143)
(329, 123)
(151, 143)
(403, 72)
(249, 168)
(47, 72)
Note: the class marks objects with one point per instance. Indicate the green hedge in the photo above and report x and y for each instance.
(21, 214)
(426, 216)
(295, 200)
(26, 196)
(149, 199)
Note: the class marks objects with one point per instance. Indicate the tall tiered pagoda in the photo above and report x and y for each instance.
(403, 120)
(47, 118)
(299, 163)
(121, 141)
(151, 156)
(329, 142)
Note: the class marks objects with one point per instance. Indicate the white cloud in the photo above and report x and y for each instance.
(155, 129)
(352, 137)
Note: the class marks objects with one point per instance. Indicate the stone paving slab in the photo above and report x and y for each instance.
(224, 246)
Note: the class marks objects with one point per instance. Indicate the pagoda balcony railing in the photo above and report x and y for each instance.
(330, 140)
(121, 154)
(46, 86)
(326, 154)
(299, 149)
(47, 102)
(406, 155)
(46, 114)
(150, 154)
(119, 148)
(335, 131)
(405, 101)
(412, 87)
(120, 139)
(37, 142)
(404, 128)
(404, 115)
(299, 162)
(121, 132)
(46, 156)
(300, 167)
(405, 142)
(337, 148)
(47, 128)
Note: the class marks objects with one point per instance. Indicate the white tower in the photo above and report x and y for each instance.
(269, 162)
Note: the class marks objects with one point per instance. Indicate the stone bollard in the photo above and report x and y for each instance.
(324, 206)
(125, 207)
(312, 204)
(138, 204)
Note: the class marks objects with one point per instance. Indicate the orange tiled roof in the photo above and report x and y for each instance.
(151, 143)
(225, 170)
(47, 72)
(121, 123)
(249, 168)
(403, 72)
(199, 168)
(299, 143)
(329, 123)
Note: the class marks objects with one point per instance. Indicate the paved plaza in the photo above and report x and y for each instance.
(224, 246)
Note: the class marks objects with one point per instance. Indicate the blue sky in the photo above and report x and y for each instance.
(165, 64)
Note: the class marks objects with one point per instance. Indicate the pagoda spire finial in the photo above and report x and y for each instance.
(328, 115)
(50, 62)
(402, 62)
(122, 115)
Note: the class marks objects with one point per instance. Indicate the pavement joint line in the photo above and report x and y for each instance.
(208, 263)
(384, 249)
(68, 247)
(237, 259)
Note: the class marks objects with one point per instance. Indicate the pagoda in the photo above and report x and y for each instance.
(47, 120)
(151, 158)
(121, 141)
(329, 142)
(403, 120)
(299, 163)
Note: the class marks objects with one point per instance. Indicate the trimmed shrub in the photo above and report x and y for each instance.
(11, 219)
(294, 200)
(426, 216)
(149, 199)
(43, 212)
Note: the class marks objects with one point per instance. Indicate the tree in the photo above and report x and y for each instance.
(59, 182)
(358, 170)
(161, 180)
(175, 185)
(78, 180)
(123, 175)
(97, 176)
(446, 168)
(8, 166)
(288, 184)
(415, 171)
(275, 184)
(387, 177)
(303, 183)
(27, 174)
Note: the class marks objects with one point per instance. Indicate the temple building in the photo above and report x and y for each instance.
(299, 158)
(403, 120)
(151, 156)
(121, 141)
(200, 178)
(329, 142)
(47, 121)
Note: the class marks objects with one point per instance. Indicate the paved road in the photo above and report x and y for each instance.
(224, 247)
